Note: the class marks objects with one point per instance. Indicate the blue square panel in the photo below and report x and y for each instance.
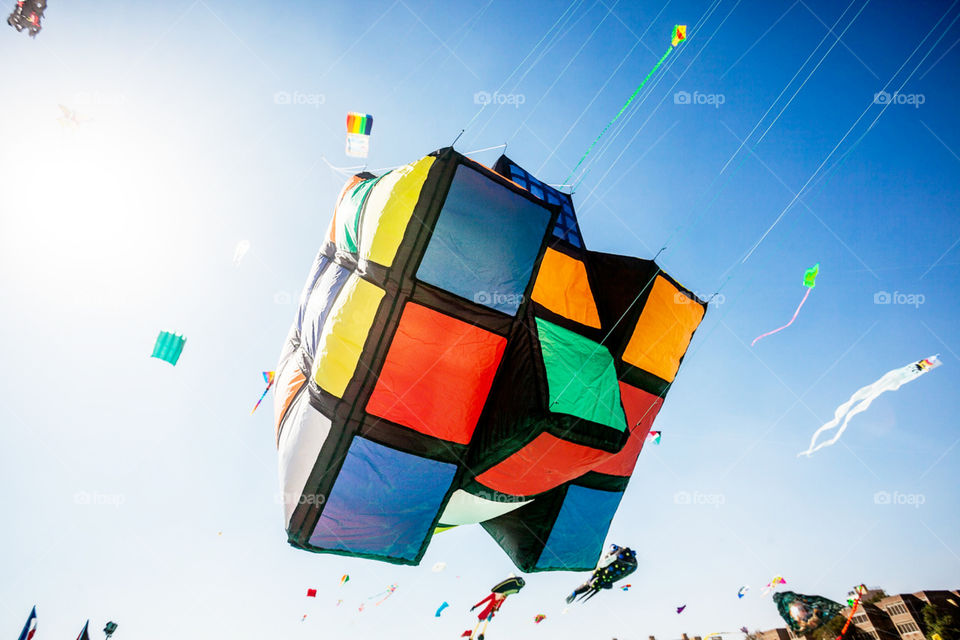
(576, 539)
(566, 226)
(485, 242)
(383, 503)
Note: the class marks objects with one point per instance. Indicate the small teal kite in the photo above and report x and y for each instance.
(168, 347)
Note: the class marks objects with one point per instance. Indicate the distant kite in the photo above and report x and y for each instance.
(679, 34)
(492, 603)
(853, 603)
(311, 593)
(359, 126)
(860, 401)
(654, 436)
(70, 118)
(744, 630)
(777, 580)
(539, 618)
(268, 377)
(168, 347)
(386, 594)
(804, 614)
(438, 567)
(743, 591)
(809, 281)
(440, 610)
(626, 587)
(28, 14)
(616, 564)
(680, 609)
(239, 251)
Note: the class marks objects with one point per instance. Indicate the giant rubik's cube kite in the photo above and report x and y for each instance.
(459, 357)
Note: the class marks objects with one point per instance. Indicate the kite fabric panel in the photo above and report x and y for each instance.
(458, 357)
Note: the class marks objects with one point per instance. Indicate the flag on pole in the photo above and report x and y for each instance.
(30, 628)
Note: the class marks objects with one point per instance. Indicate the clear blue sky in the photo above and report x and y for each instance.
(119, 472)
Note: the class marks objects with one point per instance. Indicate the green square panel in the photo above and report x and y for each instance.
(581, 376)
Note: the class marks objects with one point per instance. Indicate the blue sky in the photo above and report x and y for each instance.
(146, 494)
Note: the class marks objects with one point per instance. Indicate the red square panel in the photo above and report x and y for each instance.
(545, 463)
(437, 374)
(641, 408)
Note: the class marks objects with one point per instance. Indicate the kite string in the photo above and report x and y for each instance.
(795, 313)
(816, 173)
(707, 15)
(619, 113)
(850, 130)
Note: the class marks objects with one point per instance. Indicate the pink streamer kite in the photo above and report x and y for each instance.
(770, 333)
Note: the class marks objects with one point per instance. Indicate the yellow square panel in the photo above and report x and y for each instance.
(388, 210)
(344, 334)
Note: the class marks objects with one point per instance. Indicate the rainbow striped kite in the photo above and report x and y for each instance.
(359, 126)
(268, 377)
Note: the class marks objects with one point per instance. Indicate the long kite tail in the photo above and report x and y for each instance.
(770, 333)
(853, 612)
(265, 392)
(860, 402)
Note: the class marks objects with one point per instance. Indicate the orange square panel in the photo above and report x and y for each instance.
(562, 286)
(664, 330)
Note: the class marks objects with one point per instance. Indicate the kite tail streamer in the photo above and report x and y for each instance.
(861, 400)
(853, 612)
(770, 333)
(266, 391)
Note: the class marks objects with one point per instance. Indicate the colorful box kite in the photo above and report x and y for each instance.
(459, 357)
